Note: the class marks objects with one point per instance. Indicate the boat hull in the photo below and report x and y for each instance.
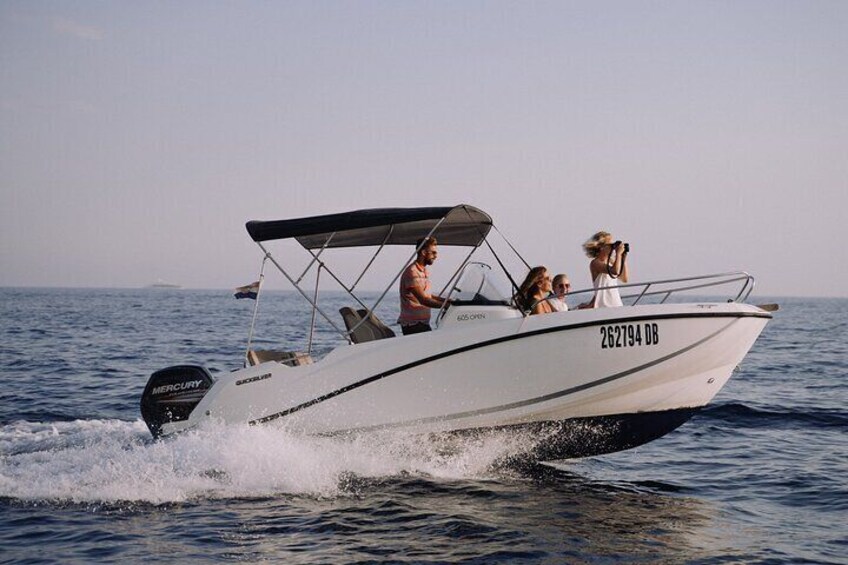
(581, 437)
(632, 373)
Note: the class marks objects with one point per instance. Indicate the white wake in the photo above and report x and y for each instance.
(114, 460)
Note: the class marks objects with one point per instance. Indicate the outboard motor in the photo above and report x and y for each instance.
(171, 394)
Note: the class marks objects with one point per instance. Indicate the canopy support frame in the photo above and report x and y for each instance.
(315, 257)
(350, 290)
(368, 266)
(302, 293)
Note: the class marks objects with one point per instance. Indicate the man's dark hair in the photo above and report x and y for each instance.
(424, 243)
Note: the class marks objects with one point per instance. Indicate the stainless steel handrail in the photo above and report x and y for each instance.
(742, 295)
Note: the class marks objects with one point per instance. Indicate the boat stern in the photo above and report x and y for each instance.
(172, 394)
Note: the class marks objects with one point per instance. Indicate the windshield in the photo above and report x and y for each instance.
(477, 284)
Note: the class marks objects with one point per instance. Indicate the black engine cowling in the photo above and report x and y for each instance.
(171, 394)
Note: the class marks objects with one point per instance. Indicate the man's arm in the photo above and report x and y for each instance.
(425, 298)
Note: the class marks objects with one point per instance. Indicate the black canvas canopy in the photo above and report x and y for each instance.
(463, 225)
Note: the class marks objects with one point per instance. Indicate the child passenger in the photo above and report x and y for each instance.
(561, 286)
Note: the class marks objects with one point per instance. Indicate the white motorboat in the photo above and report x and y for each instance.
(575, 383)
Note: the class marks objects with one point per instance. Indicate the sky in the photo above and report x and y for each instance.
(137, 138)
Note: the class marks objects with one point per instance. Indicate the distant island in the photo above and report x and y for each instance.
(162, 284)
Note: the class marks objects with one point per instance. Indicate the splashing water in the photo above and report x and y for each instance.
(88, 461)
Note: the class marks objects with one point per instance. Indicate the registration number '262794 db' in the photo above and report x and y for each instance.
(629, 335)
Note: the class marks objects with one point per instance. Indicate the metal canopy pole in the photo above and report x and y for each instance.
(368, 266)
(335, 278)
(315, 257)
(459, 270)
(503, 267)
(495, 255)
(312, 324)
(255, 310)
(305, 296)
(514, 250)
(473, 250)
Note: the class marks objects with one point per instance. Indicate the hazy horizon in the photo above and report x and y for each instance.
(228, 291)
(755, 295)
(137, 139)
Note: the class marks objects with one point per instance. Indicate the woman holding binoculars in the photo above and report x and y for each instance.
(609, 264)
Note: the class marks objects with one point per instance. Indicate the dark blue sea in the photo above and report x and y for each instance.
(760, 476)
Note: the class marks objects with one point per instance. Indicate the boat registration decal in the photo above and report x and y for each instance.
(629, 335)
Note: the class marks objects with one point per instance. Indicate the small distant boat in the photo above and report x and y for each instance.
(162, 284)
(575, 383)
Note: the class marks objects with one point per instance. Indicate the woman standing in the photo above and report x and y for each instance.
(609, 264)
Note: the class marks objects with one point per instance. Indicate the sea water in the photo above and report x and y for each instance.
(760, 476)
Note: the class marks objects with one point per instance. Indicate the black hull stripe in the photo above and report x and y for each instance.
(512, 337)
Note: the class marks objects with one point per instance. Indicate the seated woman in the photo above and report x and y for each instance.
(534, 290)
(606, 270)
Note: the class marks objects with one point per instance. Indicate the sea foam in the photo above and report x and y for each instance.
(92, 461)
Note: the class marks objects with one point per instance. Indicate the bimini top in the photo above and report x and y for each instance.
(460, 225)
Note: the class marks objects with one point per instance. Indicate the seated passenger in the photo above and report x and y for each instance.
(534, 290)
(606, 269)
(561, 286)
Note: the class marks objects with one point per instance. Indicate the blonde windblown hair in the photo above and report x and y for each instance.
(594, 244)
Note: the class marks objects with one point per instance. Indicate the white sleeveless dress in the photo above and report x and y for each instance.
(608, 297)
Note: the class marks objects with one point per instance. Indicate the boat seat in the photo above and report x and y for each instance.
(370, 330)
(290, 358)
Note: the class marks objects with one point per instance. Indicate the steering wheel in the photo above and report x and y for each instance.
(444, 307)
